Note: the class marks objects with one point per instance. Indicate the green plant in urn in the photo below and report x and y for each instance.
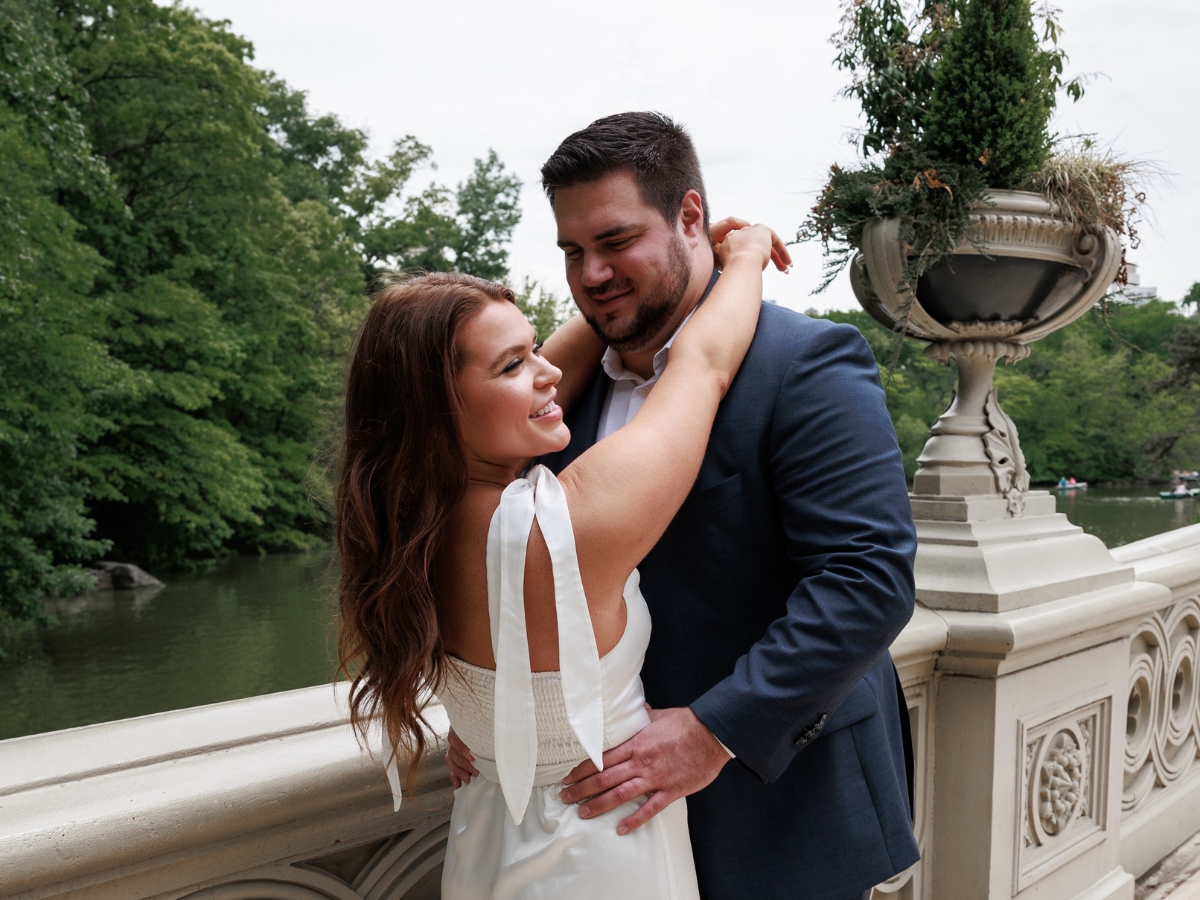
(969, 225)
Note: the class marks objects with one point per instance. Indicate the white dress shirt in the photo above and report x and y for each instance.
(628, 391)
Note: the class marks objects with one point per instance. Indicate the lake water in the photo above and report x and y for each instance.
(254, 626)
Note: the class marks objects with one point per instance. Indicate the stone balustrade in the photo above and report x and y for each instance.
(1055, 758)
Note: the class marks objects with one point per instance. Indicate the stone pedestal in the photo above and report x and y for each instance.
(1031, 719)
(975, 556)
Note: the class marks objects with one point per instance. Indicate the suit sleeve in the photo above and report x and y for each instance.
(844, 509)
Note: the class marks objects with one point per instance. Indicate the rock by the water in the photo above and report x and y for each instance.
(126, 575)
(103, 580)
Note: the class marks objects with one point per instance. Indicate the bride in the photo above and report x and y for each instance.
(515, 598)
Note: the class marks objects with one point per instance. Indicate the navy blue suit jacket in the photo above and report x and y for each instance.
(774, 594)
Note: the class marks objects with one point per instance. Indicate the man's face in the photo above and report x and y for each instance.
(627, 267)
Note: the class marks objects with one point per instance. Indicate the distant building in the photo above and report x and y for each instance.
(812, 312)
(1134, 291)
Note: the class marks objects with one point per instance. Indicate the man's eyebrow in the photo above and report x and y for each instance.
(602, 236)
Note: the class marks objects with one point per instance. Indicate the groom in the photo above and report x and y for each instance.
(785, 576)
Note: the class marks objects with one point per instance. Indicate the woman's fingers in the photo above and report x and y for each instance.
(780, 255)
(459, 760)
(718, 230)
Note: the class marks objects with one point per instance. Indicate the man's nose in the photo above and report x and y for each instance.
(596, 271)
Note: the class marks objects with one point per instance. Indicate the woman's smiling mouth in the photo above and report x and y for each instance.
(546, 410)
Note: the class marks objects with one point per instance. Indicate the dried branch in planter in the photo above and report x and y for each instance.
(1096, 189)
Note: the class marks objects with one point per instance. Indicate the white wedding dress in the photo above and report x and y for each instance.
(510, 835)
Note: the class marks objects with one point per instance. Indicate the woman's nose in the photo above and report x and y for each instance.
(549, 373)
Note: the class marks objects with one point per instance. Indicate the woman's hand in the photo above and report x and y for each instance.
(459, 761)
(721, 230)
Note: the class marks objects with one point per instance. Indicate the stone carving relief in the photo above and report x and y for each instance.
(1063, 782)
(405, 866)
(1162, 721)
(1061, 803)
(1004, 451)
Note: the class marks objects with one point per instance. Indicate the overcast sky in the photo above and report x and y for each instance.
(752, 80)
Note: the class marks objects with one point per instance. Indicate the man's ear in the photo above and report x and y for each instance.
(691, 219)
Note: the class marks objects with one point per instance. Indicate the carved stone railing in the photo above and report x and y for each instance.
(269, 798)
(1055, 749)
(1160, 800)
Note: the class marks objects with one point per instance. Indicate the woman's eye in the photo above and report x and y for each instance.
(537, 348)
(514, 365)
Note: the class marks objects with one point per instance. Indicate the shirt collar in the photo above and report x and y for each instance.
(611, 360)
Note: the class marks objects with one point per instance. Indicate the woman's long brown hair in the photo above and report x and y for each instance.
(402, 471)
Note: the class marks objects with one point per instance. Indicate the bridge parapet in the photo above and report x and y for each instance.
(1055, 747)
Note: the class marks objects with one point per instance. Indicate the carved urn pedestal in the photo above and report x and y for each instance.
(988, 543)
(1021, 800)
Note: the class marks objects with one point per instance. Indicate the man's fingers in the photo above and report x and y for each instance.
(622, 793)
(658, 801)
(594, 784)
(585, 769)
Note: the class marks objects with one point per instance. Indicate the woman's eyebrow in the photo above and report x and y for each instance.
(508, 351)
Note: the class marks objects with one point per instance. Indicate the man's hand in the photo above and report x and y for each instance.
(675, 755)
(459, 760)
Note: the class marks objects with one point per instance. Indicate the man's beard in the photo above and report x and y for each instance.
(656, 308)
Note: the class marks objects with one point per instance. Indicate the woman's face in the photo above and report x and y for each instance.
(508, 410)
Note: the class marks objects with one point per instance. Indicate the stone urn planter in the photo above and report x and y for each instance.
(986, 542)
(1037, 273)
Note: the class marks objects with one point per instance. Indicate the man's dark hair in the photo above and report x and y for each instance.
(658, 152)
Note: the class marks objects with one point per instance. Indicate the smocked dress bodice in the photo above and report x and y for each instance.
(511, 836)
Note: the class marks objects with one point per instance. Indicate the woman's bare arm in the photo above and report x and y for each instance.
(575, 349)
(624, 491)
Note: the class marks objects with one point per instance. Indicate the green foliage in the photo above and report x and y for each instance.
(992, 94)
(930, 198)
(957, 97)
(545, 312)
(1089, 401)
(890, 51)
(185, 251)
(1192, 297)
(438, 231)
(54, 373)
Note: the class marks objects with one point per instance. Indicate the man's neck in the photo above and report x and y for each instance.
(641, 362)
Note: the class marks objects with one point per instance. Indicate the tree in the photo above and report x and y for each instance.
(185, 253)
(1089, 401)
(54, 373)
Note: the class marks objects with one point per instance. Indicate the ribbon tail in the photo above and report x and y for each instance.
(393, 778)
(579, 658)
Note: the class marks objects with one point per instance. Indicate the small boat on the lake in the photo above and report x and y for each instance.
(1182, 492)
(1070, 484)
